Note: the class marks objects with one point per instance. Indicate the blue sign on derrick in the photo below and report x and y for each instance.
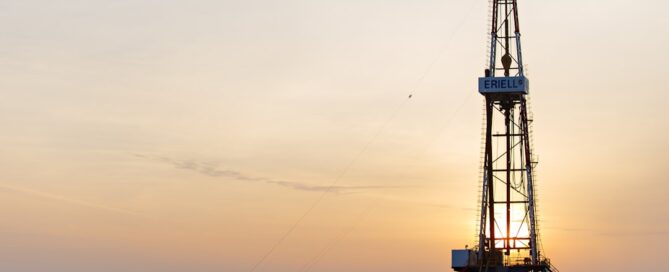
(503, 85)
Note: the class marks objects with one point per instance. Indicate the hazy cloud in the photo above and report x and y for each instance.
(213, 170)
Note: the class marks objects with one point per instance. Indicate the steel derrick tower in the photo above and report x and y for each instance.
(508, 237)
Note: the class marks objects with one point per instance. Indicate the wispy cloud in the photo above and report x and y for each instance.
(213, 170)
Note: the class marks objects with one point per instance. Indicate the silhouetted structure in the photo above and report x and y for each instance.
(508, 237)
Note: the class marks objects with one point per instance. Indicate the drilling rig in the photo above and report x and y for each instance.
(508, 235)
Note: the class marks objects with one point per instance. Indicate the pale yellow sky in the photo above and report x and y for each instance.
(191, 135)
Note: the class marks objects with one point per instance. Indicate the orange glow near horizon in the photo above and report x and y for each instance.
(199, 136)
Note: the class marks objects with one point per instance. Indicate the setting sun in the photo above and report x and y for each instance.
(329, 136)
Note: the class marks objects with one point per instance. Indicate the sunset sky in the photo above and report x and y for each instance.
(146, 135)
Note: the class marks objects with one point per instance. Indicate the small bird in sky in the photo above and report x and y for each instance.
(410, 95)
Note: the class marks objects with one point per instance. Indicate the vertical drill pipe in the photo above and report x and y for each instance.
(489, 172)
(506, 36)
(515, 17)
(530, 182)
(495, 5)
(519, 57)
(507, 123)
(493, 38)
(506, 28)
(484, 210)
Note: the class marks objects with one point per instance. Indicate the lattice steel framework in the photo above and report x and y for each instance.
(508, 222)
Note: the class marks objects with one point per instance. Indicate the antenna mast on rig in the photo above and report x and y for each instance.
(508, 233)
